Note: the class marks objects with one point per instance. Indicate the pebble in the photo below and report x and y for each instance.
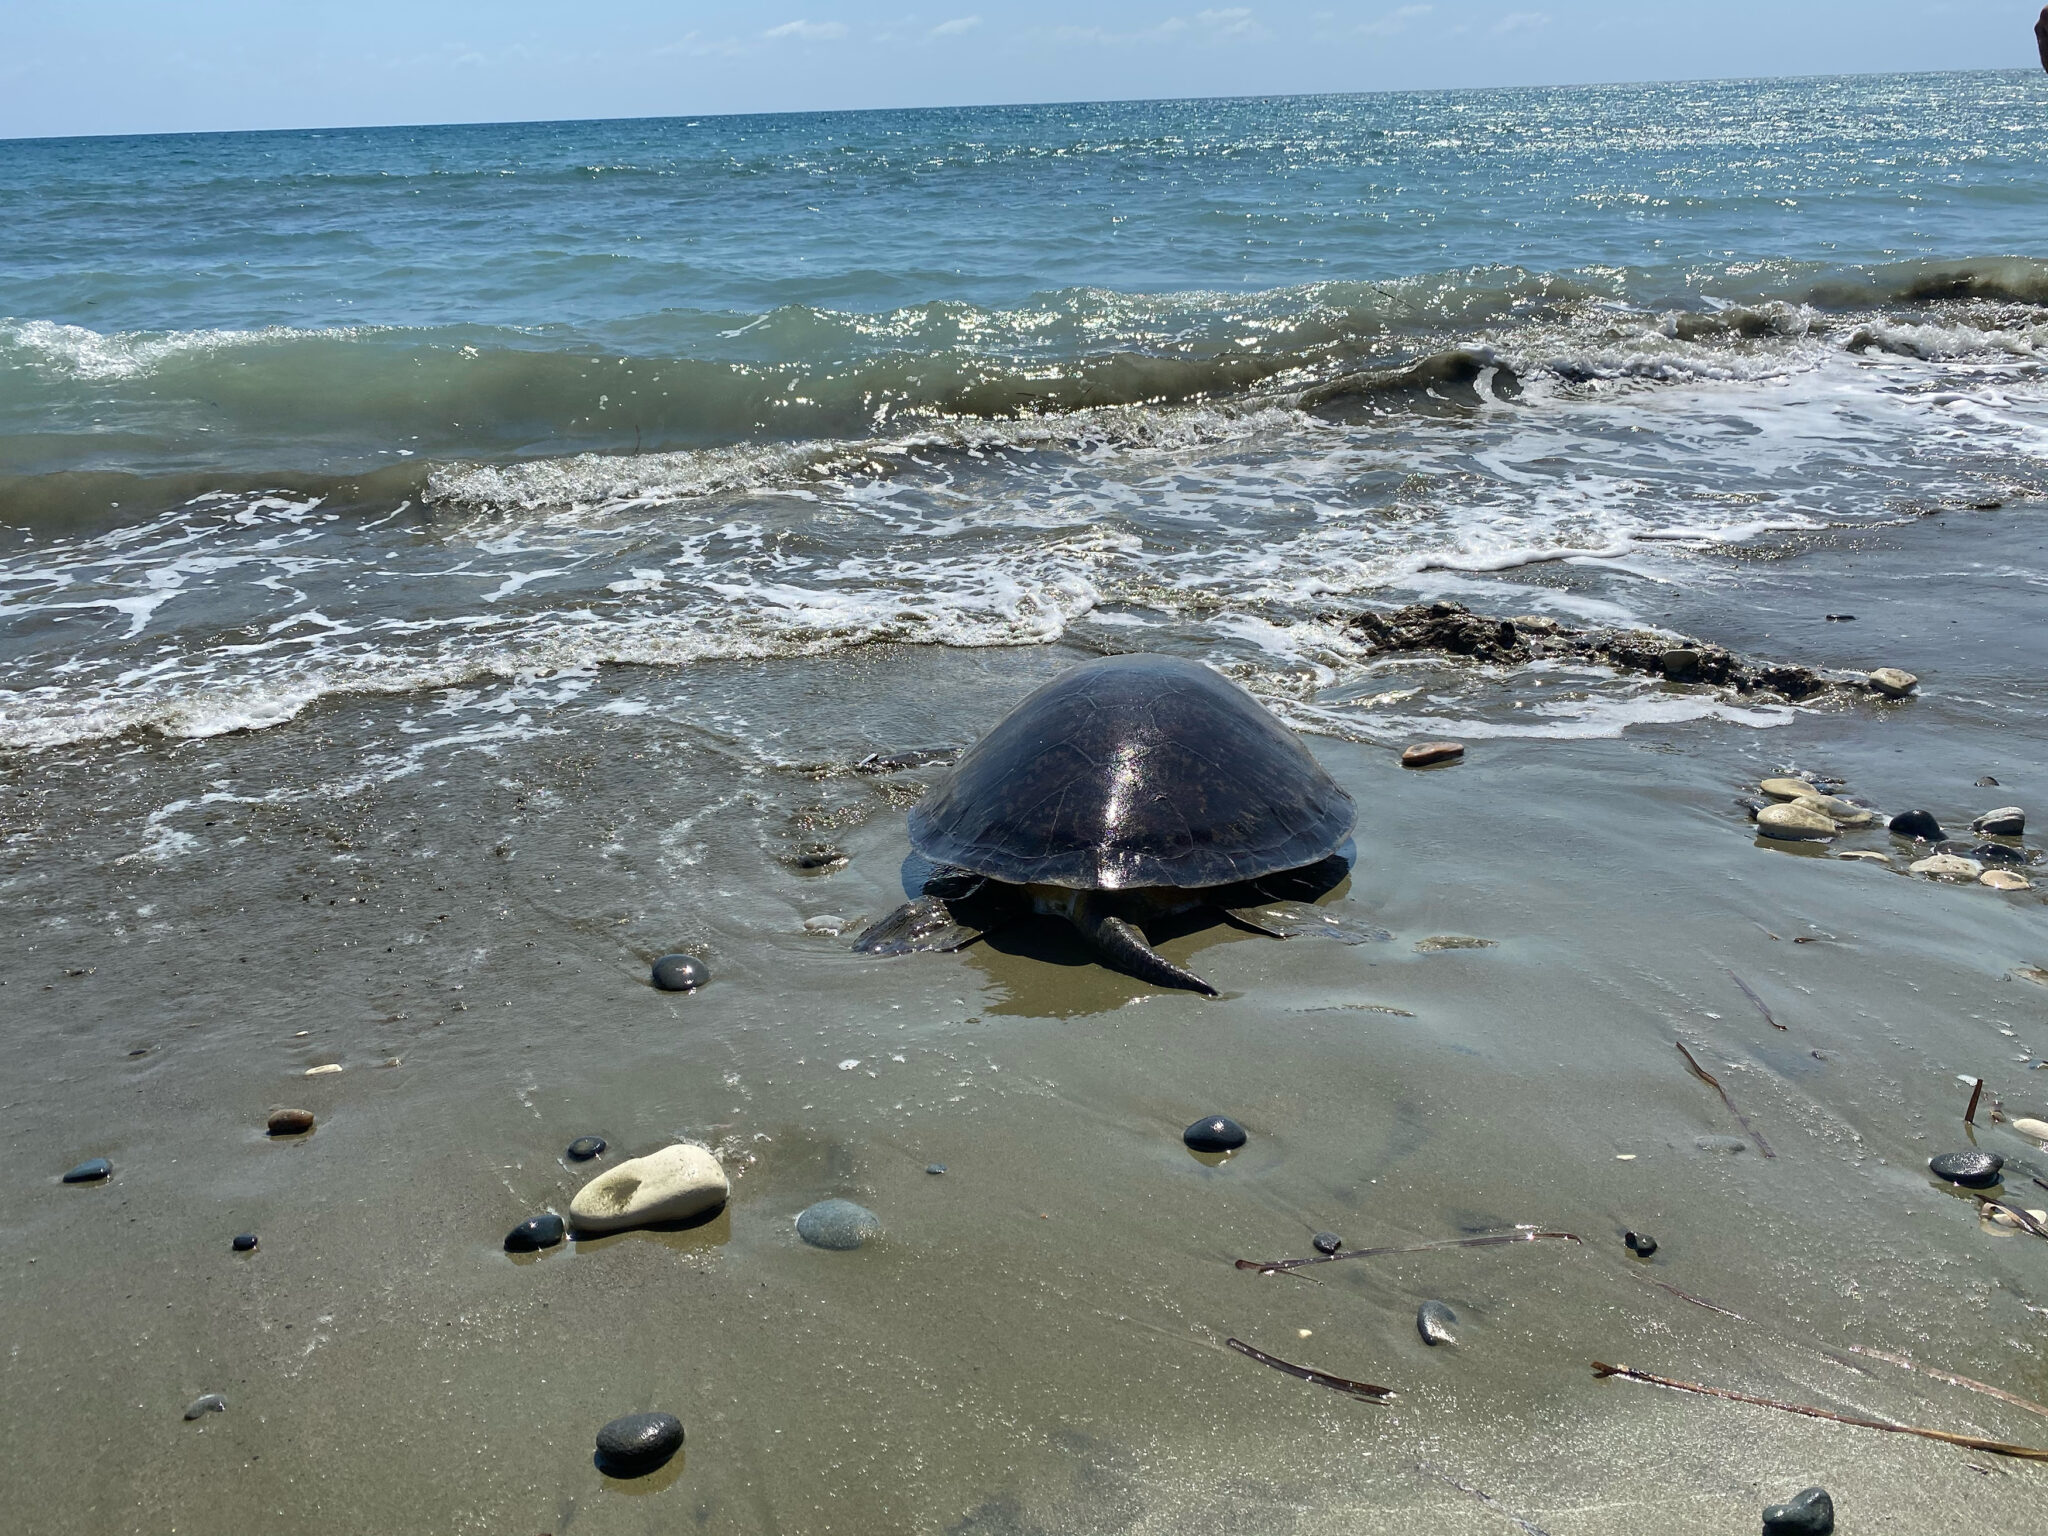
(289, 1122)
(1893, 683)
(1847, 812)
(1996, 853)
(674, 1184)
(1789, 789)
(1438, 943)
(1810, 1512)
(536, 1233)
(831, 927)
(322, 1071)
(1216, 1133)
(1434, 1321)
(1641, 1244)
(245, 1242)
(838, 1224)
(680, 973)
(1327, 1242)
(213, 1402)
(1987, 782)
(1794, 821)
(584, 1148)
(1426, 754)
(1866, 858)
(91, 1171)
(1946, 866)
(934, 1168)
(1918, 825)
(1681, 661)
(2038, 1129)
(639, 1443)
(2006, 821)
(818, 859)
(1840, 618)
(1728, 1144)
(1972, 1170)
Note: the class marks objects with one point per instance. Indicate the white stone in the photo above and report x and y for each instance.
(1788, 789)
(2005, 880)
(673, 1184)
(1893, 683)
(2038, 1129)
(1847, 812)
(1946, 866)
(1794, 820)
(2006, 821)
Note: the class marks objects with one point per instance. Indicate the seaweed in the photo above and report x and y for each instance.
(1970, 1442)
(1750, 992)
(1284, 1266)
(1953, 1380)
(1364, 1391)
(1714, 1083)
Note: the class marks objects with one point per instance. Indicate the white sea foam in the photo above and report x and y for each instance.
(97, 356)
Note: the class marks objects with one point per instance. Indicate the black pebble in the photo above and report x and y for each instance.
(1841, 618)
(1972, 1170)
(1327, 1242)
(1996, 853)
(1216, 1133)
(1987, 782)
(1641, 1244)
(1919, 825)
(244, 1242)
(934, 1167)
(536, 1232)
(91, 1171)
(680, 973)
(583, 1148)
(1810, 1512)
(638, 1443)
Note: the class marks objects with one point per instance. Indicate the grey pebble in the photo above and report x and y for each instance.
(1810, 1512)
(536, 1233)
(1327, 1242)
(838, 1224)
(1215, 1133)
(213, 1402)
(638, 1443)
(1972, 1170)
(91, 1171)
(934, 1167)
(245, 1242)
(1434, 1321)
(1641, 1244)
(583, 1148)
(680, 973)
(1919, 825)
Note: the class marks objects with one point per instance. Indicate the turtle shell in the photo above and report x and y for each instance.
(1134, 771)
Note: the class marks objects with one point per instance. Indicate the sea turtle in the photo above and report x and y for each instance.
(1125, 790)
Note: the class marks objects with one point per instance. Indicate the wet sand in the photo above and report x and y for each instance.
(1037, 1343)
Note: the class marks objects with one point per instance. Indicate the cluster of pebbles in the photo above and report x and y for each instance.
(1810, 810)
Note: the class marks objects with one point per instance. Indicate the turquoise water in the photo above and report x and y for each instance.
(530, 398)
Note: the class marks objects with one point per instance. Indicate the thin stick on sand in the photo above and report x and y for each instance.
(1969, 1442)
(1714, 1083)
(1976, 1093)
(1365, 1391)
(1283, 1266)
(1953, 1380)
(1485, 1498)
(1750, 992)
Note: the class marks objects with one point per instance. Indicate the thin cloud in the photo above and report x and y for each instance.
(807, 31)
(955, 27)
(1394, 22)
(1520, 21)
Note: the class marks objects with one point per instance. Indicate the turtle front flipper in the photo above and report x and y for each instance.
(926, 924)
(1301, 919)
(1123, 946)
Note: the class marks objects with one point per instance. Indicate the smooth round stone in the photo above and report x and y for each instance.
(1893, 683)
(674, 1184)
(1847, 812)
(1427, 754)
(2006, 821)
(1795, 821)
(1641, 1244)
(245, 1242)
(200, 1407)
(1810, 1512)
(1996, 853)
(1217, 1133)
(1681, 661)
(638, 1443)
(1436, 1322)
(1863, 856)
(1987, 782)
(91, 1171)
(2038, 1129)
(536, 1233)
(935, 1168)
(1327, 1242)
(1946, 866)
(1918, 825)
(289, 1122)
(1789, 789)
(680, 973)
(584, 1148)
(838, 1224)
(1972, 1170)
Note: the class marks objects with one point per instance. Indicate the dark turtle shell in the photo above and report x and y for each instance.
(1134, 771)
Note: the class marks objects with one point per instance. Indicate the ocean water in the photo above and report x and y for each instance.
(291, 416)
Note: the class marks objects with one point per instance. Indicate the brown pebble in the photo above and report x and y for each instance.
(1425, 754)
(290, 1122)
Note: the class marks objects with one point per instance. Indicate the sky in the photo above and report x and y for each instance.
(162, 66)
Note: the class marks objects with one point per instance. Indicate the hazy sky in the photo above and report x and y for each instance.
(128, 66)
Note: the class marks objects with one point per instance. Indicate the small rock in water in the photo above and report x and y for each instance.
(1996, 853)
(818, 859)
(1972, 1170)
(838, 1224)
(1810, 1512)
(2006, 821)
(1443, 941)
(1865, 857)
(1893, 683)
(2038, 1129)
(1427, 754)
(536, 1233)
(1795, 821)
(1789, 789)
(245, 1242)
(934, 1168)
(674, 1184)
(1327, 1242)
(1434, 1321)
(639, 1443)
(289, 1122)
(680, 973)
(829, 926)
(1841, 618)
(1641, 1244)
(1217, 1133)
(1918, 825)
(213, 1402)
(1847, 812)
(1681, 662)
(1987, 782)
(91, 1171)
(1728, 1144)
(584, 1148)
(1946, 866)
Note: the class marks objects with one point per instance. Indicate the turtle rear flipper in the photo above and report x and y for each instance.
(1124, 946)
(926, 924)
(1301, 919)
